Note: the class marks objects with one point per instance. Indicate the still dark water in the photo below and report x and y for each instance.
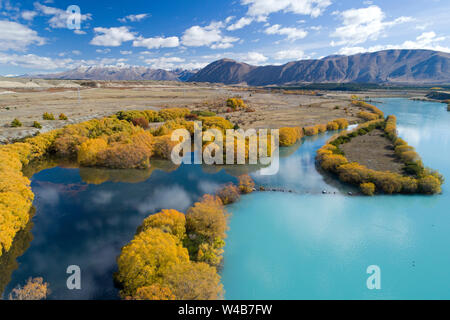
(280, 245)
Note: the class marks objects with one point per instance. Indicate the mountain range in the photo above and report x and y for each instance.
(118, 73)
(389, 66)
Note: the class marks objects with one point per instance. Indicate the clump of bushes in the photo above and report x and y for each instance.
(141, 122)
(368, 188)
(367, 116)
(229, 194)
(37, 125)
(246, 184)
(34, 289)
(62, 116)
(153, 116)
(369, 107)
(289, 136)
(236, 104)
(48, 116)
(16, 123)
(311, 131)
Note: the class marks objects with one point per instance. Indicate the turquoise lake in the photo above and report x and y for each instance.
(284, 246)
(299, 245)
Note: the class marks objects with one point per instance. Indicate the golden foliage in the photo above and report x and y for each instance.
(169, 221)
(368, 107)
(368, 188)
(48, 116)
(229, 194)
(153, 292)
(146, 259)
(207, 219)
(35, 289)
(246, 184)
(332, 126)
(173, 113)
(236, 104)
(194, 281)
(88, 151)
(62, 116)
(367, 116)
(289, 136)
(429, 185)
(311, 131)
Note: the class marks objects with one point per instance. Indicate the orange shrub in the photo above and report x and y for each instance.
(289, 136)
(321, 128)
(368, 188)
(332, 126)
(141, 122)
(88, 151)
(169, 221)
(368, 116)
(246, 184)
(311, 131)
(343, 123)
(229, 194)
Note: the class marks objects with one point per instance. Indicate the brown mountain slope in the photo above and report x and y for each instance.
(393, 66)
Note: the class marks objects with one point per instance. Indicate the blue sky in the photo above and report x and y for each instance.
(35, 38)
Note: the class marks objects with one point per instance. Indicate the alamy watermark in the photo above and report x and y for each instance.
(74, 280)
(260, 147)
(73, 17)
(374, 281)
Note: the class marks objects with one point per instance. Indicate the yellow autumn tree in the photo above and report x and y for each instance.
(194, 281)
(153, 292)
(246, 184)
(207, 219)
(170, 221)
(144, 261)
(34, 289)
(88, 151)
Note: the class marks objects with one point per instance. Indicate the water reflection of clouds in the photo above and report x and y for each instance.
(47, 195)
(174, 197)
(209, 187)
(102, 197)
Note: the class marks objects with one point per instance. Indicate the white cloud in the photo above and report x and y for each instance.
(225, 43)
(59, 17)
(171, 63)
(241, 23)
(134, 17)
(427, 41)
(77, 31)
(262, 8)
(15, 36)
(156, 43)
(33, 61)
(76, 52)
(28, 15)
(293, 54)
(254, 58)
(111, 37)
(164, 62)
(103, 50)
(210, 36)
(360, 25)
(125, 52)
(291, 33)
